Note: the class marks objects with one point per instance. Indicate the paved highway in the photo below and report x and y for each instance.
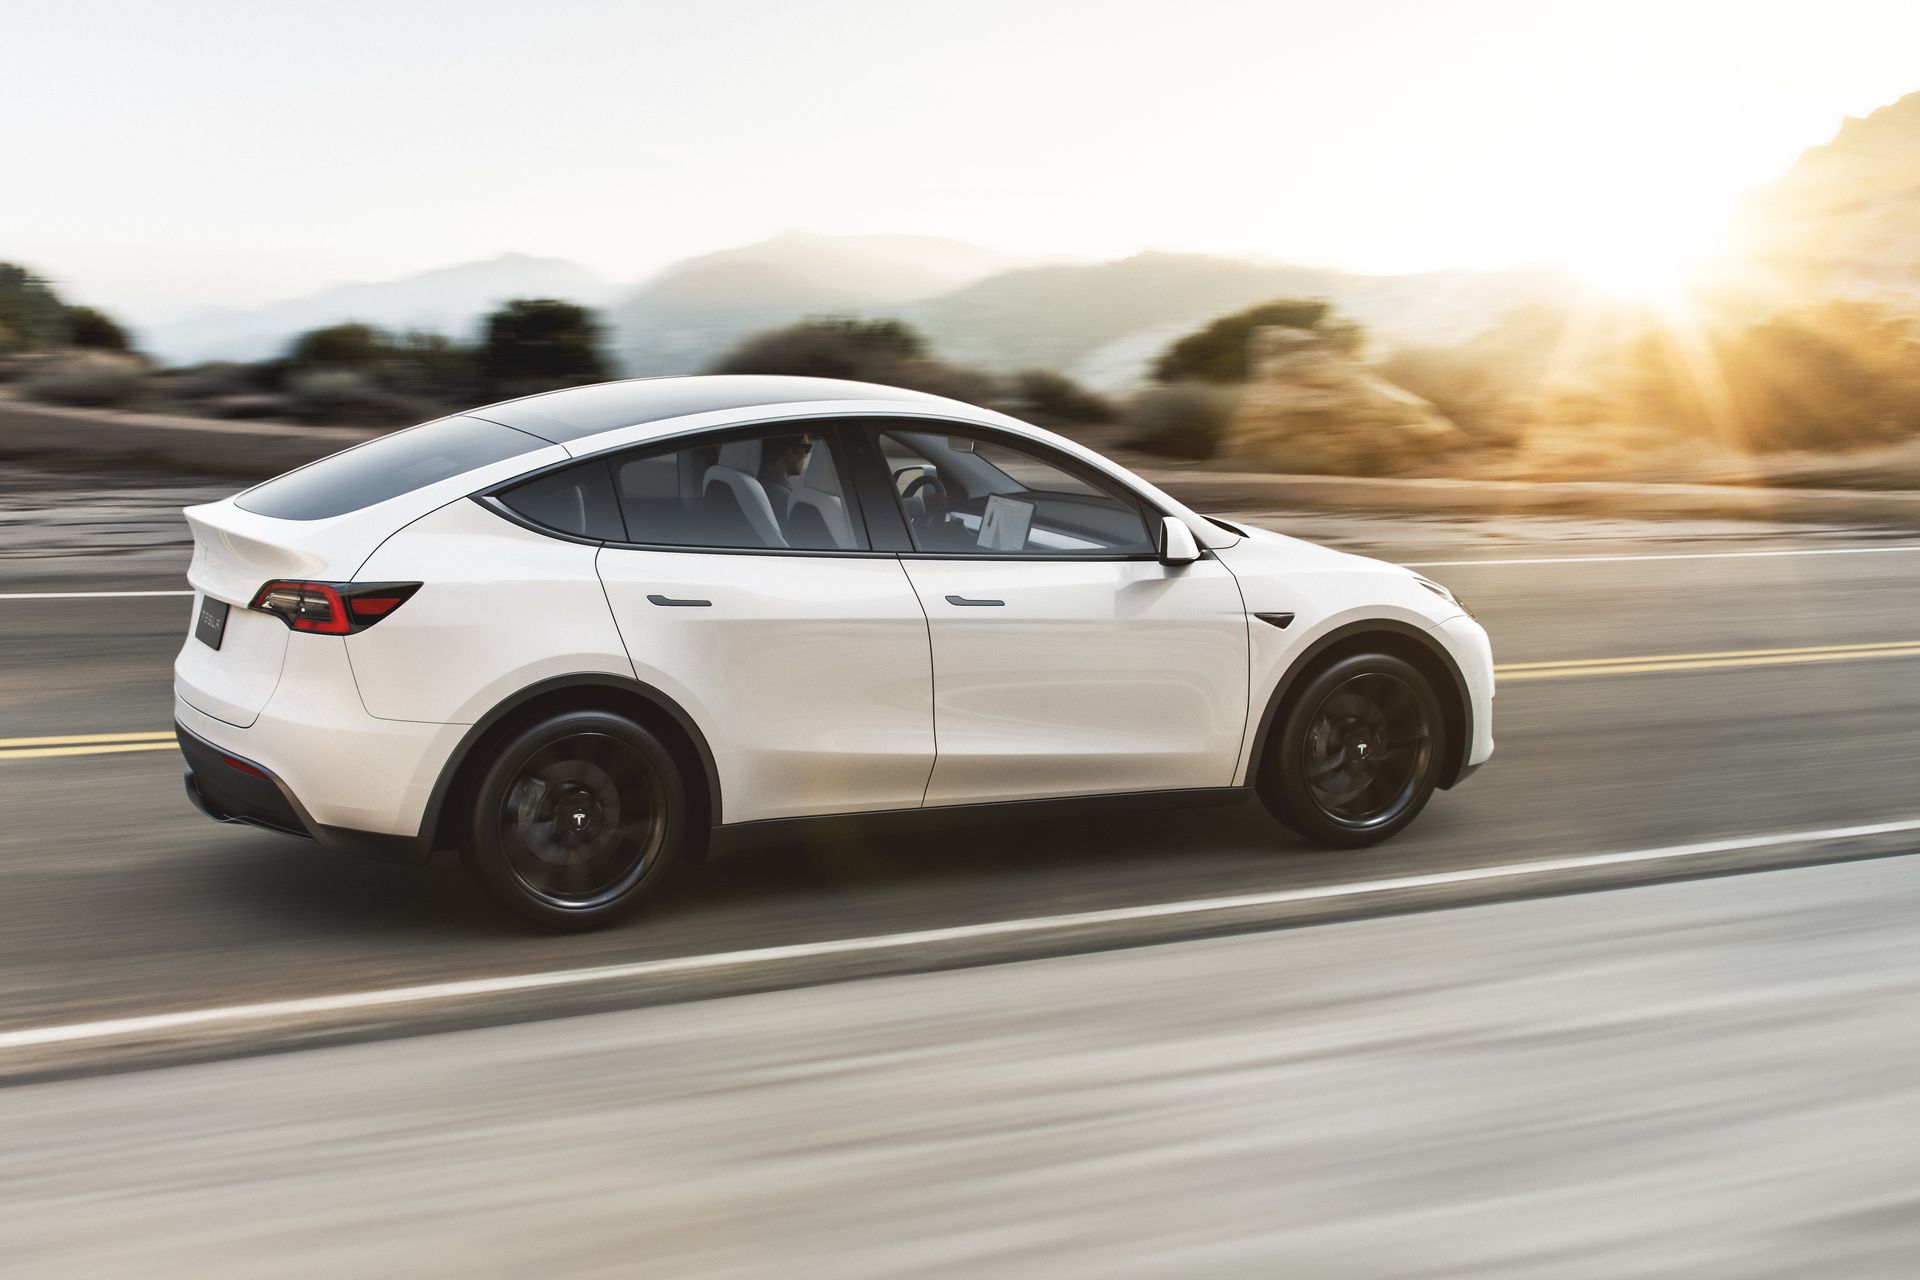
(1643, 1079)
(1783, 696)
(1708, 1079)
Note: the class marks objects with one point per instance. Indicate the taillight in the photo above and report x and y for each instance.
(332, 608)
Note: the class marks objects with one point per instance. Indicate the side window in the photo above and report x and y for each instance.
(576, 500)
(780, 488)
(988, 496)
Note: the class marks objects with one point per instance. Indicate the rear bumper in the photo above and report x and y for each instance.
(333, 767)
(231, 788)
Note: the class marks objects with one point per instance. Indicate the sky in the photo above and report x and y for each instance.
(164, 159)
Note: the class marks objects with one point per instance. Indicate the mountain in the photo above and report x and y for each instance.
(449, 300)
(694, 311)
(1844, 221)
(1103, 323)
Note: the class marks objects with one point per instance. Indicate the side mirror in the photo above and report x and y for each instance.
(1177, 545)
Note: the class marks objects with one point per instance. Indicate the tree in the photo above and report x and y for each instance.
(95, 331)
(342, 346)
(830, 347)
(1050, 397)
(32, 317)
(535, 344)
(1218, 353)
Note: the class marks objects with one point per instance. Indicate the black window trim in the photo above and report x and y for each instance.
(830, 426)
(872, 459)
(867, 488)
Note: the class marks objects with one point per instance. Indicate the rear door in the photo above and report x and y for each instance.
(1067, 659)
(747, 592)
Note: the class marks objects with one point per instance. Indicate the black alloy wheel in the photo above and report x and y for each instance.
(1358, 752)
(576, 819)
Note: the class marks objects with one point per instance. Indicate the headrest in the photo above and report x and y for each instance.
(820, 474)
(741, 455)
(692, 474)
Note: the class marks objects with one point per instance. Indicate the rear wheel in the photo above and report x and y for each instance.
(1357, 755)
(577, 819)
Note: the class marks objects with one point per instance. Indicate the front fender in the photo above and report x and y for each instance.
(1415, 636)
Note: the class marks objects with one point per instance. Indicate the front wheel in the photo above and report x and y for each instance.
(1356, 756)
(576, 820)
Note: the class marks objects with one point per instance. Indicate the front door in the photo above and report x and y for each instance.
(1067, 659)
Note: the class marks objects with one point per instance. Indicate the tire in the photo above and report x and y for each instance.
(1356, 755)
(576, 820)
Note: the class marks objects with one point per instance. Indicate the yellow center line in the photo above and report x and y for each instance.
(1842, 650)
(95, 744)
(1735, 658)
(85, 739)
(98, 749)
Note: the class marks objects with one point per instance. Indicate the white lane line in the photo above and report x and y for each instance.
(86, 595)
(1664, 555)
(392, 997)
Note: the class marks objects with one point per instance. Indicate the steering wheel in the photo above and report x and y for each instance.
(925, 480)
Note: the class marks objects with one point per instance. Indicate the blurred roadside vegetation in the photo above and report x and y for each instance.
(347, 374)
(1586, 392)
(1828, 393)
(896, 355)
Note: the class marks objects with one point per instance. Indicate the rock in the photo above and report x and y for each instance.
(1308, 408)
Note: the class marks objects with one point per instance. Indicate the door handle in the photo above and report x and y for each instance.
(671, 603)
(964, 600)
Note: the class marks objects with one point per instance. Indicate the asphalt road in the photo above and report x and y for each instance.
(1708, 1079)
(117, 900)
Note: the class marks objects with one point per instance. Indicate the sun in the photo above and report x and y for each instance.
(1641, 264)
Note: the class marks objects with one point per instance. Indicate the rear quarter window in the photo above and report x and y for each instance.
(576, 500)
(386, 468)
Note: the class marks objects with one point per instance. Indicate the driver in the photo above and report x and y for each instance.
(782, 459)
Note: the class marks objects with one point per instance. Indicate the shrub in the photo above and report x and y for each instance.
(1218, 353)
(1833, 376)
(1048, 397)
(1185, 420)
(93, 378)
(537, 344)
(1476, 393)
(881, 351)
(332, 396)
(341, 346)
(32, 317)
(433, 367)
(829, 347)
(95, 331)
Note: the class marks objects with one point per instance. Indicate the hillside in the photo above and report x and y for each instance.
(1104, 322)
(448, 300)
(695, 310)
(1843, 221)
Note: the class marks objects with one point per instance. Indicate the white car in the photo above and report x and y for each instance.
(585, 635)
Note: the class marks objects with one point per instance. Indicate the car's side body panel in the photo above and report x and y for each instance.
(349, 769)
(1320, 592)
(501, 607)
(1467, 640)
(810, 676)
(1088, 676)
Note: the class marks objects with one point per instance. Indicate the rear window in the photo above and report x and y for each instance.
(386, 468)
